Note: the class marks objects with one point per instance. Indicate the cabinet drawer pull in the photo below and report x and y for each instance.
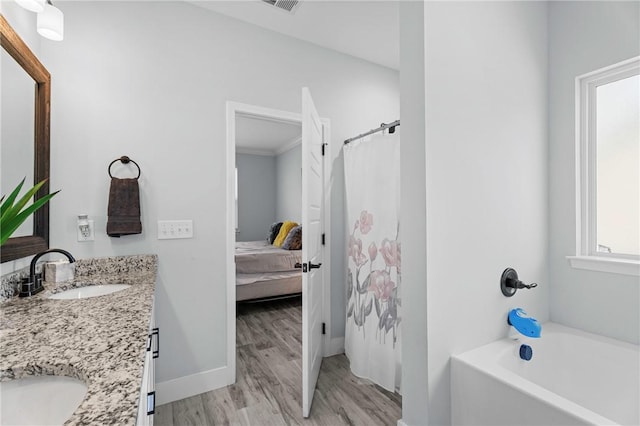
(151, 403)
(156, 352)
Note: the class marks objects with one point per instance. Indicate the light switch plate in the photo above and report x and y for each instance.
(175, 229)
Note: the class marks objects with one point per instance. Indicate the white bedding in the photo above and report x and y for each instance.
(263, 271)
(243, 279)
(256, 257)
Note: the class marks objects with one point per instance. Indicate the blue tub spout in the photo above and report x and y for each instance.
(525, 324)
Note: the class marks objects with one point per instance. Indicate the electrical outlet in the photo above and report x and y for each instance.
(175, 229)
(85, 231)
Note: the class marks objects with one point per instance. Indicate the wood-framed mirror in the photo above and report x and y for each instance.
(26, 245)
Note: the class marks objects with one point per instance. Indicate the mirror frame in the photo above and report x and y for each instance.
(19, 247)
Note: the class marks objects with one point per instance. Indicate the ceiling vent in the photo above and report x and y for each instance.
(286, 5)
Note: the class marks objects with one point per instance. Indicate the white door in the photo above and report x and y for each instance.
(312, 291)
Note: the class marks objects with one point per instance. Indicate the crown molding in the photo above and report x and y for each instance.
(289, 145)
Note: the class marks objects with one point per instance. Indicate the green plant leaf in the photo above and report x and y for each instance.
(13, 223)
(13, 214)
(17, 207)
(9, 202)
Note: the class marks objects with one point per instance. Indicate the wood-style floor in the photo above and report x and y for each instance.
(268, 390)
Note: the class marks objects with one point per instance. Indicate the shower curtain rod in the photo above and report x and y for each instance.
(390, 126)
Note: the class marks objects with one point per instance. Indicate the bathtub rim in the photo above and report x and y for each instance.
(482, 359)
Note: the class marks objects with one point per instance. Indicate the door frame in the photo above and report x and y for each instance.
(233, 108)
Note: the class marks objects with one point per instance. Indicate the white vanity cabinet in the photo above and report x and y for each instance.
(147, 401)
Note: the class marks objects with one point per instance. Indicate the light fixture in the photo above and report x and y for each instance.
(32, 5)
(50, 22)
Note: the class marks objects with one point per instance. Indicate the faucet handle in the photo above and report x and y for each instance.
(509, 282)
(520, 284)
(31, 285)
(36, 277)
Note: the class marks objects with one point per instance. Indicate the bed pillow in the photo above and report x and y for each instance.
(294, 239)
(284, 231)
(273, 232)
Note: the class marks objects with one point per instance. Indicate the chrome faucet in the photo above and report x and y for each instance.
(33, 284)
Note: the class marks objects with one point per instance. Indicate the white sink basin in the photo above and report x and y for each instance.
(40, 400)
(89, 291)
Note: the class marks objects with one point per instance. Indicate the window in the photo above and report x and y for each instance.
(608, 159)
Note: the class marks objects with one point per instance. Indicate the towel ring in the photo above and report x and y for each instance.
(125, 160)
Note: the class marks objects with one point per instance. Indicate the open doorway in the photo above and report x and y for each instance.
(257, 140)
(268, 209)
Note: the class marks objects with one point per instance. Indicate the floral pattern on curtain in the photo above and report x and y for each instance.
(375, 286)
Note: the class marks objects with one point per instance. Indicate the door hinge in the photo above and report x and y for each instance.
(323, 145)
(324, 328)
(151, 403)
(323, 239)
(156, 332)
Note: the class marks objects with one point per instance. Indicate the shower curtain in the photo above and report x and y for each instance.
(372, 335)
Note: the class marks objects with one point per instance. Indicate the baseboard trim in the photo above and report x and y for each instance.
(184, 387)
(336, 347)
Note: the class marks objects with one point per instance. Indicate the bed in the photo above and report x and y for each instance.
(264, 270)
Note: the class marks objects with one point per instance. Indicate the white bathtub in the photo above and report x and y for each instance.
(574, 378)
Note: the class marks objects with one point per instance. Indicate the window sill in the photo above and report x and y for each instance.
(606, 264)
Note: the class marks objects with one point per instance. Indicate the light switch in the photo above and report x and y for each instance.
(175, 229)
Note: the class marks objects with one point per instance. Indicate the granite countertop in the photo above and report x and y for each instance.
(100, 340)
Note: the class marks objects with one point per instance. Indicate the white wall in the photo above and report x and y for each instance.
(289, 185)
(150, 80)
(257, 196)
(413, 206)
(486, 184)
(269, 190)
(584, 36)
(23, 22)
